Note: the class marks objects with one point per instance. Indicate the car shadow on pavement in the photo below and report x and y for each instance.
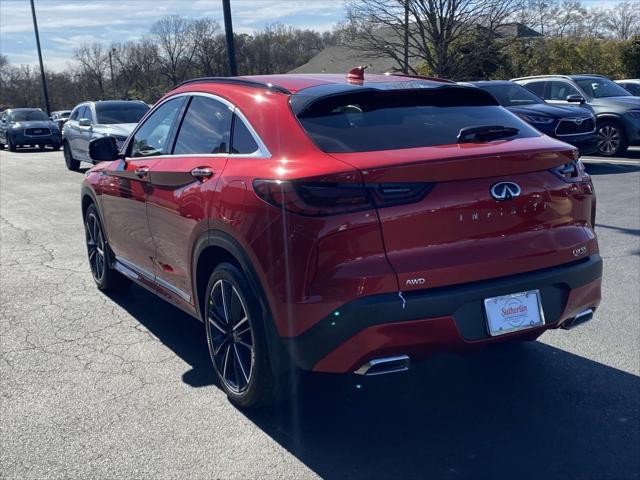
(517, 411)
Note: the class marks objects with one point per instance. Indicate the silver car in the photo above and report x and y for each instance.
(89, 120)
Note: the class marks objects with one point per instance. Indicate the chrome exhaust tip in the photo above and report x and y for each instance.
(381, 366)
(579, 319)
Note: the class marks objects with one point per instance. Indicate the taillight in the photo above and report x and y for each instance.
(321, 198)
(572, 172)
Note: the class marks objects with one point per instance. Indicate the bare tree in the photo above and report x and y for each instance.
(94, 62)
(175, 42)
(432, 28)
(623, 20)
(209, 49)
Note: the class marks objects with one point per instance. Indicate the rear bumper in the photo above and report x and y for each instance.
(439, 319)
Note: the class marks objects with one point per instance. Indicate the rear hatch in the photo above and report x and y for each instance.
(452, 219)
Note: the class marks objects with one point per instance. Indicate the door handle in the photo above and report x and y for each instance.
(142, 171)
(202, 172)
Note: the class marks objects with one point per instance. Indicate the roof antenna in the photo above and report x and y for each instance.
(356, 75)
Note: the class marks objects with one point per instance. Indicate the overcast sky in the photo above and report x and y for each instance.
(64, 24)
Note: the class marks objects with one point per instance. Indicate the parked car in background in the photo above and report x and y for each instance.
(89, 120)
(617, 111)
(571, 124)
(60, 117)
(28, 126)
(343, 224)
(632, 86)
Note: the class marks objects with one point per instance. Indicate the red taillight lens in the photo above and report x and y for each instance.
(572, 172)
(321, 198)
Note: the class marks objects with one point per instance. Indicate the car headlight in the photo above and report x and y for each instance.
(536, 119)
(634, 113)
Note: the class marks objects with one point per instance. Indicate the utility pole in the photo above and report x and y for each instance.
(113, 80)
(45, 91)
(228, 28)
(406, 37)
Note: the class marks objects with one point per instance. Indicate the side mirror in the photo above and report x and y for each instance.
(575, 99)
(104, 149)
(84, 122)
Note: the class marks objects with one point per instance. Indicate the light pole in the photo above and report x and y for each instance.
(113, 80)
(228, 28)
(45, 91)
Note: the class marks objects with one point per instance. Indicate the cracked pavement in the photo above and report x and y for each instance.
(96, 386)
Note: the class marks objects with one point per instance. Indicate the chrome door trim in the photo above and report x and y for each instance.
(131, 270)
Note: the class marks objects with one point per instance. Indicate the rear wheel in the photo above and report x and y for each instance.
(106, 278)
(612, 140)
(236, 339)
(71, 163)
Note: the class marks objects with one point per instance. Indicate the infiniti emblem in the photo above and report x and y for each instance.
(505, 190)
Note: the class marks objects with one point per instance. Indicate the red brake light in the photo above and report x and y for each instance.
(321, 198)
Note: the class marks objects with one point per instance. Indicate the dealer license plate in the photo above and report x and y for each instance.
(510, 313)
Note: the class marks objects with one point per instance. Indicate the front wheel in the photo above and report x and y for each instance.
(106, 278)
(236, 339)
(612, 140)
(12, 146)
(72, 164)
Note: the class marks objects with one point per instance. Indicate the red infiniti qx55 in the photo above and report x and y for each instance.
(343, 223)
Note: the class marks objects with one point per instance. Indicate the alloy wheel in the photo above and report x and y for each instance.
(231, 338)
(608, 139)
(95, 246)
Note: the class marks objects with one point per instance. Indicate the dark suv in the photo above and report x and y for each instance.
(571, 124)
(616, 110)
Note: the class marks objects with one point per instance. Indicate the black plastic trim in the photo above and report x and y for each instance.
(236, 81)
(464, 302)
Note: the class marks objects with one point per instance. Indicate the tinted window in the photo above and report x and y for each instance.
(120, 112)
(205, 129)
(537, 88)
(633, 88)
(27, 115)
(364, 121)
(82, 112)
(243, 141)
(560, 91)
(153, 135)
(601, 87)
(511, 95)
(75, 113)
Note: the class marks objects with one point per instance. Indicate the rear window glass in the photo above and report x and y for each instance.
(363, 122)
(125, 112)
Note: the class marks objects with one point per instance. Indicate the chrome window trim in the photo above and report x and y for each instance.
(261, 152)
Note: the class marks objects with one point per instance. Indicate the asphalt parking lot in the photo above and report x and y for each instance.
(95, 386)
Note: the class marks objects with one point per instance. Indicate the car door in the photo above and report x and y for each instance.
(183, 189)
(3, 128)
(85, 134)
(557, 92)
(73, 133)
(125, 187)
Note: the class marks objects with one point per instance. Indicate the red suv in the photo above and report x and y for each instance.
(343, 224)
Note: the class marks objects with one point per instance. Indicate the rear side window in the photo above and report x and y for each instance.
(536, 87)
(206, 128)
(362, 122)
(242, 141)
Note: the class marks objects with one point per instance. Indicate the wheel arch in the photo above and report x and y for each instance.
(214, 247)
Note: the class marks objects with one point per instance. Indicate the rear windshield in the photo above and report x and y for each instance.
(366, 121)
(27, 115)
(110, 113)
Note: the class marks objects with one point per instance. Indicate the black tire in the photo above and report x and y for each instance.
(42, 147)
(1, 146)
(72, 164)
(612, 139)
(106, 278)
(12, 146)
(237, 341)
(56, 147)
